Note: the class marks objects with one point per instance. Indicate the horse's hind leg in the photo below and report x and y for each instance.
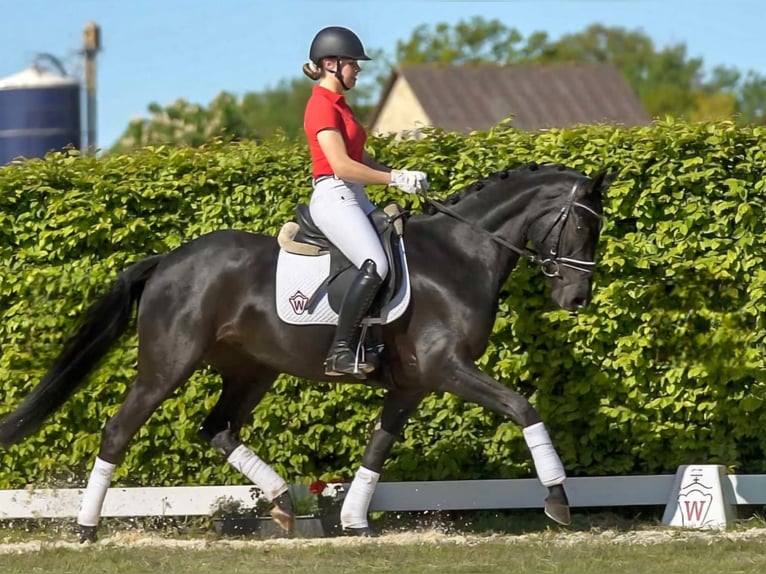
(240, 394)
(163, 366)
(142, 400)
(469, 383)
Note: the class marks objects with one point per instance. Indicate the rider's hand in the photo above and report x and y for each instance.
(409, 181)
(422, 179)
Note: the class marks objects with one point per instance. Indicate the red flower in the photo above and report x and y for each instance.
(317, 486)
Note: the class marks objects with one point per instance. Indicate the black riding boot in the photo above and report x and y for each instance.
(341, 358)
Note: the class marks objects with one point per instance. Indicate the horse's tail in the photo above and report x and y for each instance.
(101, 326)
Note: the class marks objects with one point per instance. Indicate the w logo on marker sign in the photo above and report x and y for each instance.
(696, 510)
(298, 302)
(699, 499)
(695, 499)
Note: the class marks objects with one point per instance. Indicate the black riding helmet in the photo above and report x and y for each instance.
(336, 42)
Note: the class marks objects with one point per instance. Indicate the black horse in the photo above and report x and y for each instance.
(212, 301)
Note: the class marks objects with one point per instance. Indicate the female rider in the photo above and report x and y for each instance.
(341, 168)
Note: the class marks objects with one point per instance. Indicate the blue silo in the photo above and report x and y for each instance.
(39, 112)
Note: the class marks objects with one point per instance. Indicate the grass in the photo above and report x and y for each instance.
(488, 555)
(415, 543)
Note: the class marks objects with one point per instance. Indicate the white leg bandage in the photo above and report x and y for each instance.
(93, 499)
(260, 473)
(550, 471)
(357, 501)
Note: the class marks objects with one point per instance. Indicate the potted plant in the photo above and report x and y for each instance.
(328, 497)
(232, 517)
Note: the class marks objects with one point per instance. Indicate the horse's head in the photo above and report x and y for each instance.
(556, 208)
(565, 237)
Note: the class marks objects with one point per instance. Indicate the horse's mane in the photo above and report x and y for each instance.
(497, 177)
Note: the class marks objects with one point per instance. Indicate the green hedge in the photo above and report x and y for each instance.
(665, 368)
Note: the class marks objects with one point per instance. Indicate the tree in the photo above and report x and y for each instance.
(256, 115)
(474, 42)
(667, 80)
(751, 100)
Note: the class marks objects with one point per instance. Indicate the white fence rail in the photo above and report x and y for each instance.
(606, 491)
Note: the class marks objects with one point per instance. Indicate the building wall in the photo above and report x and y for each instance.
(401, 112)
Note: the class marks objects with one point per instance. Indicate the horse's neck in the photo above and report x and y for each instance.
(459, 267)
(508, 220)
(469, 248)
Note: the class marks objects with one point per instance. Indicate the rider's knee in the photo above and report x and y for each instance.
(377, 266)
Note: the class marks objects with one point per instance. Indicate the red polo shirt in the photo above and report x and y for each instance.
(328, 110)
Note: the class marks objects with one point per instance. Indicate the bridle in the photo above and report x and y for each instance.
(550, 265)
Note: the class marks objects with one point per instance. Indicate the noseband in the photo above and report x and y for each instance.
(551, 265)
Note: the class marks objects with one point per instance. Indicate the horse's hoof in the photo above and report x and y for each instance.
(364, 532)
(87, 534)
(557, 505)
(282, 512)
(558, 513)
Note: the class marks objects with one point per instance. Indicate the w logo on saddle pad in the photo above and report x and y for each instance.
(313, 276)
(299, 303)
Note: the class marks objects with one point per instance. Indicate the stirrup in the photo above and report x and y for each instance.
(359, 369)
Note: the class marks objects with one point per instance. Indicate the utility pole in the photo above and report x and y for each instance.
(91, 46)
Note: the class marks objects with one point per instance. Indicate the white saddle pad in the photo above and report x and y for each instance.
(298, 276)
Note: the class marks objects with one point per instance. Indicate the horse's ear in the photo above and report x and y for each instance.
(600, 182)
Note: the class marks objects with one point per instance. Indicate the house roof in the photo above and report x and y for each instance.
(476, 97)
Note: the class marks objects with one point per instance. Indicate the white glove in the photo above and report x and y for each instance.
(409, 181)
(422, 179)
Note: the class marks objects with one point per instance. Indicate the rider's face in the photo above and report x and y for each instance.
(349, 70)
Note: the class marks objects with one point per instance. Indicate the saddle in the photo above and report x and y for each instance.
(303, 237)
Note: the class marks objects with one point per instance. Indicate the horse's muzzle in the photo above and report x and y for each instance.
(572, 297)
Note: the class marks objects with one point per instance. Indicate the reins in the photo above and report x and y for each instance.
(521, 251)
(550, 266)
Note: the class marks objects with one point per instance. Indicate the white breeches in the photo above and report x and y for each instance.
(340, 211)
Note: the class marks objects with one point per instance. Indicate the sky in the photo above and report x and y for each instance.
(162, 50)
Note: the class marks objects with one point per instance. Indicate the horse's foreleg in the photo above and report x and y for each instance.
(469, 383)
(221, 429)
(397, 408)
